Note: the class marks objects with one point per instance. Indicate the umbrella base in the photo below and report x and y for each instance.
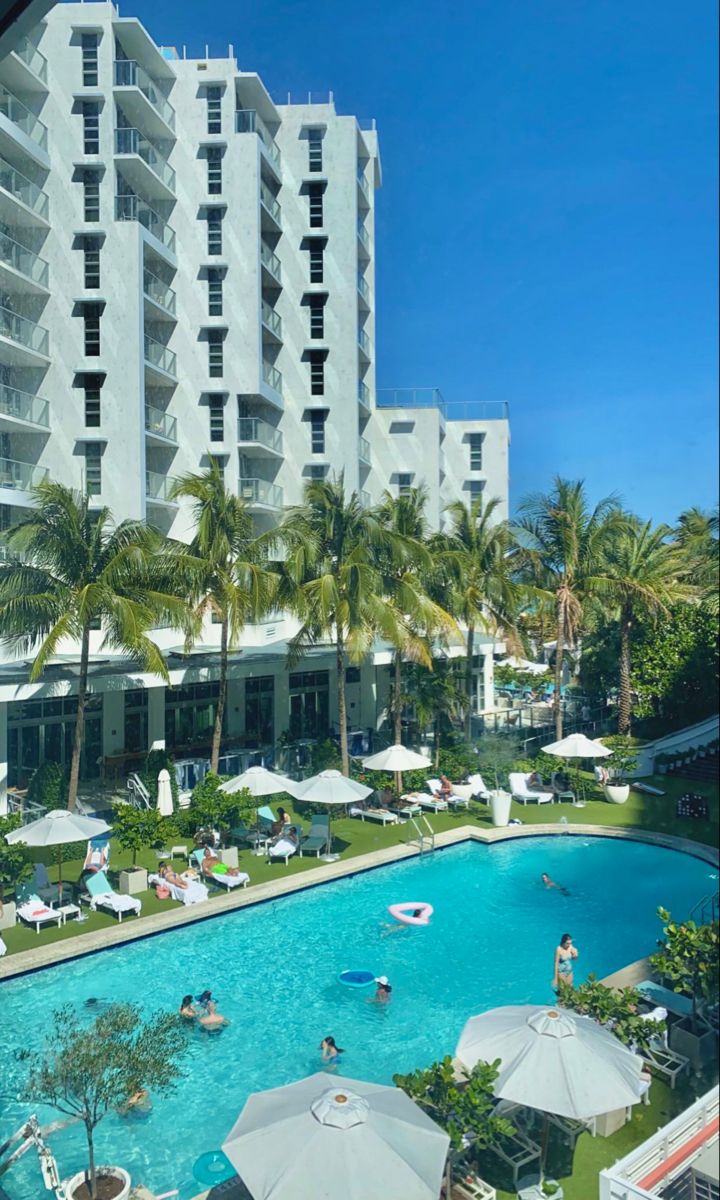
(329, 857)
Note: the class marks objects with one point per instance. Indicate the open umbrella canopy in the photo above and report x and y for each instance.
(58, 828)
(576, 745)
(396, 758)
(259, 782)
(329, 787)
(321, 1138)
(553, 1060)
(164, 796)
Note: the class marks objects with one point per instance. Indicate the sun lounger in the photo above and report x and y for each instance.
(520, 790)
(230, 881)
(432, 803)
(317, 840)
(283, 848)
(383, 815)
(194, 893)
(35, 912)
(518, 1152)
(102, 896)
(654, 993)
(659, 1058)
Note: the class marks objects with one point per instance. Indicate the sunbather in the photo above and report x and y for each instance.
(283, 820)
(286, 842)
(445, 789)
(172, 877)
(211, 864)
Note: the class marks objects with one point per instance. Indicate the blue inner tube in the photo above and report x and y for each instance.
(213, 1167)
(356, 978)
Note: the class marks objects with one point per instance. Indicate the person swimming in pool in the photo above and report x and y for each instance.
(382, 993)
(550, 883)
(187, 1010)
(211, 1018)
(398, 926)
(331, 1053)
(565, 955)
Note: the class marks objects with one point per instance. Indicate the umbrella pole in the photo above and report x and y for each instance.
(60, 860)
(544, 1147)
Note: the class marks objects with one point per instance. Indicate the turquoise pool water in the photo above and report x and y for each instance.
(274, 969)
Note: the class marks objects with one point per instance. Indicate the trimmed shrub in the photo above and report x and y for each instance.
(48, 786)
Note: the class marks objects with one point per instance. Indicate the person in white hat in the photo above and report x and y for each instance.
(382, 992)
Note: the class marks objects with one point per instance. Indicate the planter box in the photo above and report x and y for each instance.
(8, 916)
(608, 1123)
(134, 881)
(617, 793)
(500, 802)
(229, 856)
(699, 1048)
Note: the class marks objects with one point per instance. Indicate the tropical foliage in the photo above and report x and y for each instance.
(618, 1010)
(464, 1107)
(689, 957)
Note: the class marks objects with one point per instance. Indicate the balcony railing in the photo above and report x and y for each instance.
(363, 288)
(23, 189)
(132, 208)
(271, 261)
(364, 342)
(160, 356)
(32, 58)
(364, 188)
(252, 429)
(129, 73)
(158, 291)
(20, 476)
(364, 237)
(270, 202)
(160, 423)
(23, 260)
(363, 393)
(15, 111)
(272, 376)
(131, 141)
(158, 487)
(24, 407)
(259, 491)
(249, 121)
(271, 319)
(365, 499)
(26, 332)
(364, 451)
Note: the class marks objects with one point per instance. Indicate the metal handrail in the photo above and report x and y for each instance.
(161, 423)
(363, 393)
(260, 491)
(158, 291)
(20, 476)
(23, 189)
(363, 288)
(364, 188)
(364, 341)
(158, 486)
(271, 261)
(20, 329)
(32, 58)
(272, 376)
(159, 355)
(15, 111)
(23, 260)
(364, 450)
(24, 406)
(132, 208)
(253, 429)
(365, 499)
(129, 73)
(129, 140)
(247, 120)
(272, 319)
(364, 236)
(270, 202)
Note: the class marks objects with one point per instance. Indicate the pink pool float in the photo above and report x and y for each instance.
(412, 912)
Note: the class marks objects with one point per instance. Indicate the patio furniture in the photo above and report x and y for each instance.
(660, 1058)
(655, 994)
(35, 912)
(194, 893)
(520, 790)
(228, 881)
(432, 803)
(384, 815)
(70, 910)
(102, 896)
(41, 886)
(518, 1152)
(283, 846)
(316, 841)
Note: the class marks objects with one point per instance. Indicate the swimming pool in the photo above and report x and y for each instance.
(274, 969)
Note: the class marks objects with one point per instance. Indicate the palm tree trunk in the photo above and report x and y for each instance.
(469, 682)
(559, 646)
(342, 702)
(222, 697)
(624, 706)
(79, 719)
(397, 699)
(436, 743)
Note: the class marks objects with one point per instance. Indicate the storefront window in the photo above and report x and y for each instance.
(309, 704)
(42, 731)
(259, 710)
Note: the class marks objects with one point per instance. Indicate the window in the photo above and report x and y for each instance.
(93, 468)
(476, 488)
(317, 250)
(214, 230)
(213, 96)
(91, 127)
(91, 251)
(214, 170)
(216, 408)
(89, 44)
(259, 705)
(215, 292)
(136, 719)
(91, 196)
(317, 470)
(91, 386)
(314, 137)
(476, 451)
(317, 374)
(309, 704)
(404, 484)
(315, 201)
(215, 353)
(317, 433)
(317, 317)
(91, 317)
(190, 714)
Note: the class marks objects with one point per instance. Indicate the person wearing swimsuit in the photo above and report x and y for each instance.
(565, 954)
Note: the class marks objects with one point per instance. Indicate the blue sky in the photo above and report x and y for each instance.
(546, 226)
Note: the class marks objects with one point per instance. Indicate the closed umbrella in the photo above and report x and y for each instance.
(577, 746)
(164, 796)
(318, 1139)
(330, 788)
(59, 828)
(397, 759)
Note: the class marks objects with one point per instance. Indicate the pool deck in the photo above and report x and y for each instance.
(133, 928)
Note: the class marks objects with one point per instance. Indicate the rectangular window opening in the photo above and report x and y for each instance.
(404, 484)
(215, 353)
(317, 374)
(476, 451)
(91, 196)
(317, 251)
(215, 292)
(214, 170)
(214, 231)
(91, 386)
(216, 408)
(315, 159)
(317, 317)
(317, 433)
(93, 468)
(315, 203)
(213, 97)
(91, 318)
(89, 44)
(91, 251)
(91, 127)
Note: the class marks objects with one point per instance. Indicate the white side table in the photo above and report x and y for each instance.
(69, 910)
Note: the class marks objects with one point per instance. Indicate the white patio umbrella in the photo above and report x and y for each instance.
(397, 759)
(330, 788)
(259, 782)
(577, 745)
(59, 827)
(553, 1060)
(321, 1138)
(164, 796)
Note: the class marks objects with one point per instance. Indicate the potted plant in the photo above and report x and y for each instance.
(15, 868)
(688, 957)
(85, 1071)
(497, 755)
(138, 829)
(551, 1187)
(621, 764)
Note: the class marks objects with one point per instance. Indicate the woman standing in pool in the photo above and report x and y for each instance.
(331, 1054)
(565, 954)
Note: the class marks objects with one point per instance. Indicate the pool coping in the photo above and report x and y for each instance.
(134, 929)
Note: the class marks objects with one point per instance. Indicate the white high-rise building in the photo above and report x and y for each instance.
(187, 271)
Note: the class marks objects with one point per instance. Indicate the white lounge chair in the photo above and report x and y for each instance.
(102, 896)
(432, 803)
(520, 790)
(194, 893)
(231, 881)
(283, 848)
(35, 912)
(383, 815)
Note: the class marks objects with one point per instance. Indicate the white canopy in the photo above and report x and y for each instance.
(330, 787)
(322, 1138)
(58, 828)
(553, 1060)
(164, 796)
(576, 745)
(524, 664)
(396, 758)
(259, 782)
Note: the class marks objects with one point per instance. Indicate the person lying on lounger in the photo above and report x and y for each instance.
(172, 877)
(211, 864)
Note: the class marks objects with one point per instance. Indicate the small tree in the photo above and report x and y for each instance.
(15, 862)
(624, 757)
(496, 756)
(86, 1070)
(689, 957)
(139, 828)
(604, 1004)
(210, 808)
(463, 1109)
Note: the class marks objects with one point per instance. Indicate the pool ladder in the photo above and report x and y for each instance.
(424, 834)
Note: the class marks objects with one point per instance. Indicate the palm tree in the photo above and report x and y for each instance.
(697, 536)
(74, 570)
(438, 697)
(483, 593)
(332, 581)
(563, 540)
(407, 570)
(644, 577)
(225, 570)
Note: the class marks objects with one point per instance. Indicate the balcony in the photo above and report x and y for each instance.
(21, 410)
(363, 290)
(160, 426)
(21, 270)
(272, 376)
(363, 395)
(363, 238)
(265, 440)
(156, 170)
(16, 189)
(159, 294)
(365, 499)
(158, 489)
(271, 266)
(364, 343)
(143, 101)
(25, 70)
(272, 322)
(15, 111)
(364, 186)
(364, 451)
(132, 208)
(20, 476)
(27, 342)
(271, 211)
(249, 121)
(258, 493)
(160, 360)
